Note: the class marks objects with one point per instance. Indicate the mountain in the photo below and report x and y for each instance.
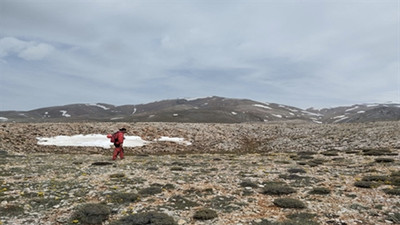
(204, 110)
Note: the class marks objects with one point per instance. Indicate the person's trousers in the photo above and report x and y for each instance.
(118, 151)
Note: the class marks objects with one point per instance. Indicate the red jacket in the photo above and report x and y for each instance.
(120, 138)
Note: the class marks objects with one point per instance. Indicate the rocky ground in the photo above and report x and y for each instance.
(231, 174)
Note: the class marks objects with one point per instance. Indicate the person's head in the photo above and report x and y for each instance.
(122, 130)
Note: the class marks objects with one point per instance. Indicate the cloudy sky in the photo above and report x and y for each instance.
(303, 53)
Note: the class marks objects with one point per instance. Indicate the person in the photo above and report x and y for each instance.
(118, 142)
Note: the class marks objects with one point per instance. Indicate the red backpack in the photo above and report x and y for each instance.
(113, 137)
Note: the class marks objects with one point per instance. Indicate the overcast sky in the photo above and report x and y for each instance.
(303, 53)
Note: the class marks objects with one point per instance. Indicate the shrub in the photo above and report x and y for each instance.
(150, 191)
(11, 210)
(289, 203)
(146, 218)
(384, 160)
(91, 213)
(364, 184)
(375, 178)
(117, 175)
(248, 183)
(296, 170)
(320, 191)
(330, 153)
(395, 218)
(277, 190)
(123, 197)
(205, 214)
(395, 191)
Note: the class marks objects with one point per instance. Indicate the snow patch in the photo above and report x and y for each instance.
(101, 140)
(3, 119)
(64, 113)
(134, 111)
(279, 116)
(174, 139)
(262, 106)
(98, 105)
(352, 109)
(234, 113)
(116, 118)
(361, 112)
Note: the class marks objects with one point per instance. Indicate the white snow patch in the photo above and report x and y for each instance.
(361, 112)
(175, 115)
(371, 105)
(343, 117)
(3, 119)
(311, 113)
(262, 106)
(193, 99)
(101, 140)
(64, 113)
(339, 117)
(234, 113)
(134, 111)
(98, 105)
(352, 109)
(116, 118)
(174, 139)
(279, 116)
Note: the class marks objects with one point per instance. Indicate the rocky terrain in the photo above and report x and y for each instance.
(247, 173)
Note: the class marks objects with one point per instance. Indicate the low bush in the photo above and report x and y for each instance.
(395, 191)
(320, 191)
(275, 189)
(146, 218)
(150, 191)
(205, 214)
(289, 203)
(91, 214)
(123, 197)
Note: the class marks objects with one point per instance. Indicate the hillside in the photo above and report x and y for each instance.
(204, 110)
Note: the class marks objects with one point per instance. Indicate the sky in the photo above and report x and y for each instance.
(302, 53)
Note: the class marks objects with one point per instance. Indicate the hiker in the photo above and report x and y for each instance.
(118, 139)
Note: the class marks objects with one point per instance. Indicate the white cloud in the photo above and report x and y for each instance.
(28, 50)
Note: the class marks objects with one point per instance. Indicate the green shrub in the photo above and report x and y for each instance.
(289, 203)
(296, 170)
(91, 213)
(123, 197)
(375, 178)
(277, 190)
(11, 210)
(384, 160)
(150, 191)
(205, 214)
(320, 191)
(364, 184)
(248, 183)
(395, 218)
(117, 175)
(330, 153)
(146, 218)
(395, 191)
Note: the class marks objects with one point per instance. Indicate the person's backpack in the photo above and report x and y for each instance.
(113, 137)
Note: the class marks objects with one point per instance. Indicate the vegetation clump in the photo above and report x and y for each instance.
(384, 160)
(150, 191)
(330, 153)
(11, 210)
(364, 184)
(394, 191)
(205, 214)
(378, 152)
(122, 197)
(146, 218)
(277, 189)
(91, 214)
(247, 183)
(289, 203)
(117, 175)
(320, 191)
(296, 170)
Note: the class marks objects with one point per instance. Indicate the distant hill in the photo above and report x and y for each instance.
(204, 110)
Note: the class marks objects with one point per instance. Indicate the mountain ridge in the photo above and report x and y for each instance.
(212, 109)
